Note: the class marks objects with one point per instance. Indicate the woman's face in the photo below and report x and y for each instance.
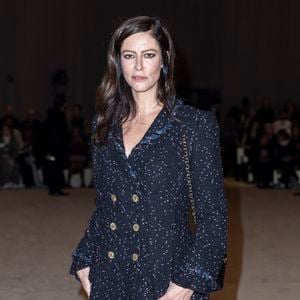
(141, 62)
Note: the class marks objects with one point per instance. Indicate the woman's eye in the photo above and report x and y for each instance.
(128, 56)
(149, 55)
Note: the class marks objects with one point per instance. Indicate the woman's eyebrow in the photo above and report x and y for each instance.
(131, 51)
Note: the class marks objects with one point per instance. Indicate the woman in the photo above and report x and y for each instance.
(138, 244)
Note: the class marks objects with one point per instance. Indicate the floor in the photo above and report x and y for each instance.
(39, 232)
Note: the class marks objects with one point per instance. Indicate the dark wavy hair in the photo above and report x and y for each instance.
(114, 101)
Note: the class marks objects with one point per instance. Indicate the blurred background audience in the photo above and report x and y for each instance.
(266, 145)
(260, 145)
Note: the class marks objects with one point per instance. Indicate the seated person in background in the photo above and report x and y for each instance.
(31, 157)
(248, 141)
(292, 110)
(263, 165)
(11, 123)
(282, 122)
(78, 155)
(285, 157)
(9, 114)
(9, 171)
(77, 118)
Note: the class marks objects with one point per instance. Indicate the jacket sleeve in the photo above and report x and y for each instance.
(200, 263)
(83, 254)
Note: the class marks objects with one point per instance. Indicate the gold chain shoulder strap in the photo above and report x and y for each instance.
(188, 175)
(221, 275)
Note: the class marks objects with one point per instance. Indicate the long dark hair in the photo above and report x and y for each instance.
(115, 102)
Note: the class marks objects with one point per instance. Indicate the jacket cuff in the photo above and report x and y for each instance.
(79, 262)
(196, 279)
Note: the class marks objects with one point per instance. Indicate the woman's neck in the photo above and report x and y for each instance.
(146, 104)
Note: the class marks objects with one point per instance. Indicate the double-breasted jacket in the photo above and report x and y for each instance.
(138, 239)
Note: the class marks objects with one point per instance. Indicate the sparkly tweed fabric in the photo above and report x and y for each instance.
(138, 238)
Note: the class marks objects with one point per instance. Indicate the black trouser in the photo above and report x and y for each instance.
(53, 176)
(287, 170)
(26, 171)
(264, 173)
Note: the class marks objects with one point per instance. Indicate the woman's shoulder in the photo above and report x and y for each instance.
(191, 115)
(198, 123)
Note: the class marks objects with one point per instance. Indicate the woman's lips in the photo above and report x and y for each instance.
(139, 78)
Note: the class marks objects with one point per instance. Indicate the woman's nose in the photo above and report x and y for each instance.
(139, 64)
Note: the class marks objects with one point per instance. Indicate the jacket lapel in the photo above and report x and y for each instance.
(153, 136)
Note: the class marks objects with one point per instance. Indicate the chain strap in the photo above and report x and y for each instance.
(220, 279)
(188, 175)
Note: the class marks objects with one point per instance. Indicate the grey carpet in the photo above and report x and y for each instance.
(39, 232)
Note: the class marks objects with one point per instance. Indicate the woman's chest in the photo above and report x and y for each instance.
(155, 164)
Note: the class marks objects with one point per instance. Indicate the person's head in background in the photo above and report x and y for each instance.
(31, 114)
(282, 115)
(282, 137)
(6, 132)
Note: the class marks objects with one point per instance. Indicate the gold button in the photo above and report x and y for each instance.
(136, 227)
(135, 257)
(113, 226)
(111, 255)
(113, 197)
(135, 198)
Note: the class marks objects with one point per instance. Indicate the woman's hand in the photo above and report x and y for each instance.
(176, 292)
(83, 275)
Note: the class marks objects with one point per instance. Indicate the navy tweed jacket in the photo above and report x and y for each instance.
(138, 239)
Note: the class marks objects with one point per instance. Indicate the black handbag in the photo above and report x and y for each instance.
(221, 276)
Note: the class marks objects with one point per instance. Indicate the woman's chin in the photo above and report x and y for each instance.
(142, 88)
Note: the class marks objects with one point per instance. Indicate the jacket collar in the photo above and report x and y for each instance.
(163, 122)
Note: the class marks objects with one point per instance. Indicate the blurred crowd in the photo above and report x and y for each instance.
(262, 145)
(36, 153)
